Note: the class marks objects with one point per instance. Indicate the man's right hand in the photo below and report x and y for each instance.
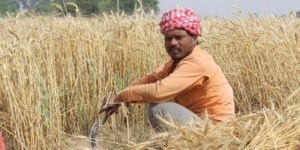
(110, 104)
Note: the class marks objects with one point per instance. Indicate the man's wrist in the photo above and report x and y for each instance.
(119, 97)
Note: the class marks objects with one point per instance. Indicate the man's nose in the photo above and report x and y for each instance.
(174, 41)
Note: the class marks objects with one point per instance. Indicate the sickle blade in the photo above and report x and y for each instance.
(92, 134)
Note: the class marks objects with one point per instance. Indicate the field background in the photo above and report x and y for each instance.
(55, 71)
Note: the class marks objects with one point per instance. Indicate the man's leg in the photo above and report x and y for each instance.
(169, 110)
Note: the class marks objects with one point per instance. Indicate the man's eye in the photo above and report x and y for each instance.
(168, 38)
(178, 37)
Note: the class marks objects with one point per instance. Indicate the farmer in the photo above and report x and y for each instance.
(187, 86)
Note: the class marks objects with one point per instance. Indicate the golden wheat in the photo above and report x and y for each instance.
(54, 71)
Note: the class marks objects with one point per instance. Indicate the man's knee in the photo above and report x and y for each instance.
(153, 110)
(171, 110)
(158, 109)
(155, 113)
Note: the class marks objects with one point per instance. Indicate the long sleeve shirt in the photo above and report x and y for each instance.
(196, 82)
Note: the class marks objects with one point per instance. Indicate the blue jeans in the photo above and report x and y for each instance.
(169, 111)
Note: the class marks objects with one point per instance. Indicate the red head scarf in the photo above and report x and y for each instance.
(180, 18)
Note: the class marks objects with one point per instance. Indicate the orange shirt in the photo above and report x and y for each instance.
(2, 144)
(196, 83)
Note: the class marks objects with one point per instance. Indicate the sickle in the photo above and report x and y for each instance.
(92, 135)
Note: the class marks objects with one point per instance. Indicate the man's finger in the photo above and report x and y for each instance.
(111, 111)
(107, 108)
(103, 110)
(116, 109)
(107, 114)
(105, 118)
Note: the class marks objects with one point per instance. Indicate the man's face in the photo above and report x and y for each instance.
(179, 43)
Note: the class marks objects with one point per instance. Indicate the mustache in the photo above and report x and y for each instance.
(174, 48)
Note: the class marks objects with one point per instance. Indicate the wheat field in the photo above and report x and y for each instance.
(54, 72)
